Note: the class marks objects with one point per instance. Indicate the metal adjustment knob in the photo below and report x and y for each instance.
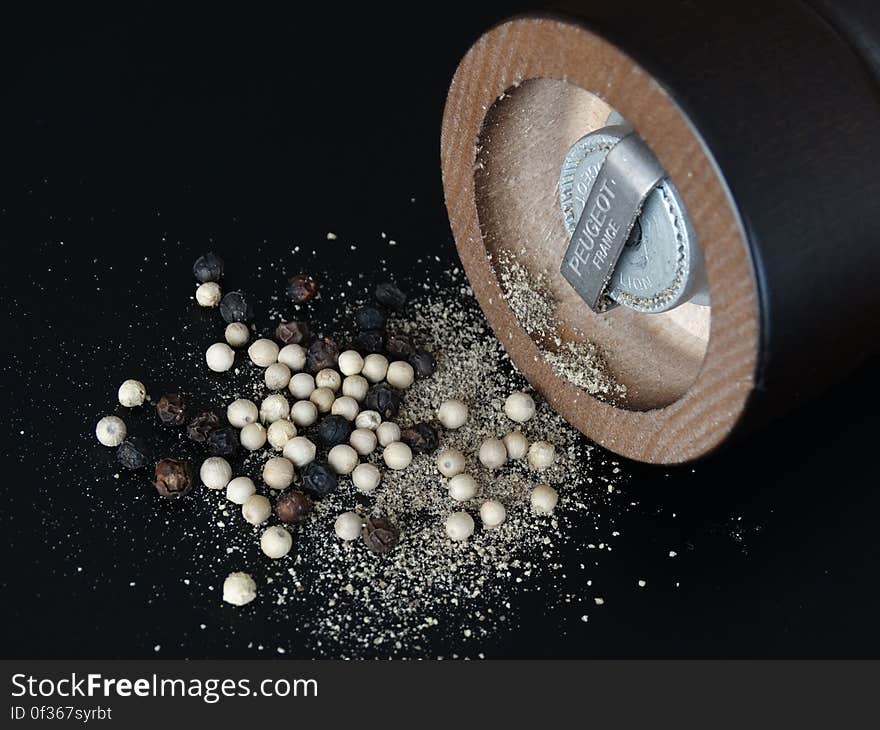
(631, 242)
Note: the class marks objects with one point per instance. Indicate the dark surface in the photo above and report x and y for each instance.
(134, 143)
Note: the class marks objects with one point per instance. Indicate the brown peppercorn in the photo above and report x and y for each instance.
(293, 506)
(202, 425)
(172, 478)
(323, 353)
(292, 333)
(301, 288)
(380, 534)
(171, 409)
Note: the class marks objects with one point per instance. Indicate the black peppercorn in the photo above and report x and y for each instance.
(370, 341)
(421, 438)
(292, 333)
(202, 425)
(423, 363)
(236, 307)
(380, 534)
(400, 347)
(390, 296)
(334, 430)
(319, 480)
(384, 399)
(370, 317)
(323, 353)
(171, 409)
(134, 453)
(172, 478)
(223, 442)
(208, 268)
(301, 288)
(293, 506)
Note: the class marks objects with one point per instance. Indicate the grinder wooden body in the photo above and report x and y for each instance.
(767, 119)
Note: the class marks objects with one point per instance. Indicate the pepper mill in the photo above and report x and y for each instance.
(698, 185)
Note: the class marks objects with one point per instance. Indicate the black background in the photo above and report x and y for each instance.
(132, 142)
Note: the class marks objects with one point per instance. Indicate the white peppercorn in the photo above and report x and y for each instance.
(111, 431)
(350, 362)
(328, 378)
(294, 356)
(355, 386)
(208, 294)
(239, 489)
(346, 407)
(544, 499)
(275, 542)
(256, 509)
(276, 376)
(323, 398)
(366, 477)
(263, 352)
(215, 472)
(279, 433)
(400, 374)
(239, 589)
(253, 436)
(459, 526)
(237, 334)
(304, 413)
(397, 455)
(363, 440)
(342, 459)
(492, 513)
(132, 393)
(348, 526)
(519, 407)
(493, 454)
(516, 444)
(278, 473)
(241, 412)
(450, 462)
(387, 432)
(541, 455)
(462, 487)
(219, 357)
(301, 385)
(300, 451)
(274, 408)
(370, 420)
(375, 368)
(452, 413)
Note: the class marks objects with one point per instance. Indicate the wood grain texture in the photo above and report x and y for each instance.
(690, 380)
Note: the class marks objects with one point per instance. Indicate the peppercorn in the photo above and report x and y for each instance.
(202, 425)
(208, 268)
(292, 333)
(400, 347)
(370, 341)
(172, 478)
(223, 442)
(236, 307)
(334, 430)
(383, 399)
(421, 438)
(423, 363)
(134, 453)
(319, 480)
(171, 409)
(390, 296)
(380, 534)
(323, 353)
(370, 317)
(301, 288)
(293, 506)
